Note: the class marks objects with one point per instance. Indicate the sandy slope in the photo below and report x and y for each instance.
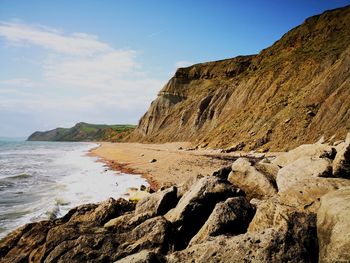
(172, 165)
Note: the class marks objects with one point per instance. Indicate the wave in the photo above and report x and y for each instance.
(4, 185)
(53, 213)
(35, 187)
(19, 177)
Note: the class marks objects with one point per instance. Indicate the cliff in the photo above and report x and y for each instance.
(291, 93)
(84, 132)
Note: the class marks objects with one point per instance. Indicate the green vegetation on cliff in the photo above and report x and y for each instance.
(84, 132)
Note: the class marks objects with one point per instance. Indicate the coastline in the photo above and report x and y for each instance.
(121, 167)
(173, 163)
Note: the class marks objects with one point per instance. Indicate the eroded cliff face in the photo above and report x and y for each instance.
(291, 93)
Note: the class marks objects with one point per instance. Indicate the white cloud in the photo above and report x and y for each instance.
(80, 78)
(75, 44)
(96, 71)
(183, 64)
(20, 82)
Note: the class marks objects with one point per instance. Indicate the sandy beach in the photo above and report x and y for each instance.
(174, 162)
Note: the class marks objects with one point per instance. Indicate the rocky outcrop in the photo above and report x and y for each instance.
(306, 194)
(302, 169)
(341, 164)
(229, 217)
(303, 151)
(158, 203)
(297, 243)
(211, 219)
(271, 214)
(253, 182)
(333, 224)
(145, 256)
(196, 205)
(78, 236)
(289, 94)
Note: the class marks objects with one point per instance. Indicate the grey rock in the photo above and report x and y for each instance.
(341, 163)
(158, 203)
(229, 217)
(306, 194)
(268, 169)
(295, 243)
(154, 233)
(254, 183)
(223, 172)
(128, 221)
(184, 187)
(80, 236)
(196, 205)
(301, 169)
(271, 214)
(333, 224)
(305, 150)
(145, 256)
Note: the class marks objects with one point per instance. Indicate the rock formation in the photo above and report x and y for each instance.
(211, 219)
(289, 94)
(333, 219)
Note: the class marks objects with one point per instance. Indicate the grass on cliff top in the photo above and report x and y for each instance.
(89, 128)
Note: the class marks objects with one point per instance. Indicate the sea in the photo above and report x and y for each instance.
(44, 180)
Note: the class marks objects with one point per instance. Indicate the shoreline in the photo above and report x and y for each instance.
(121, 167)
(166, 164)
(173, 163)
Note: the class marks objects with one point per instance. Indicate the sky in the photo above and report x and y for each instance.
(104, 61)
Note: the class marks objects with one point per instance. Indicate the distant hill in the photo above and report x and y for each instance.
(84, 132)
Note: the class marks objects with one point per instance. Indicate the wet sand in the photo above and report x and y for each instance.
(174, 163)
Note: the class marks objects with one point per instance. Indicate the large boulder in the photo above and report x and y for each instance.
(230, 217)
(269, 213)
(223, 172)
(80, 236)
(187, 184)
(69, 235)
(145, 256)
(268, 169)
(158, 203)
(97, 214)
(253, 182)
(295, 243)
(195, 206)
(272, 214)
(301, 169)
(18, 245)
(128, 221)
(333, 225)
(306, 194)
(155, 233)
(341, 163)
(306, 150)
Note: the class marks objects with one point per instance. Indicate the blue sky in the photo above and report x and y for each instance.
(104, 61)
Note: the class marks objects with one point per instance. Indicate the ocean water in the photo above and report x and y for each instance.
(42, 180)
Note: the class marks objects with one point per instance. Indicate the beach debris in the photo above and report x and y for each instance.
(152, 160)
